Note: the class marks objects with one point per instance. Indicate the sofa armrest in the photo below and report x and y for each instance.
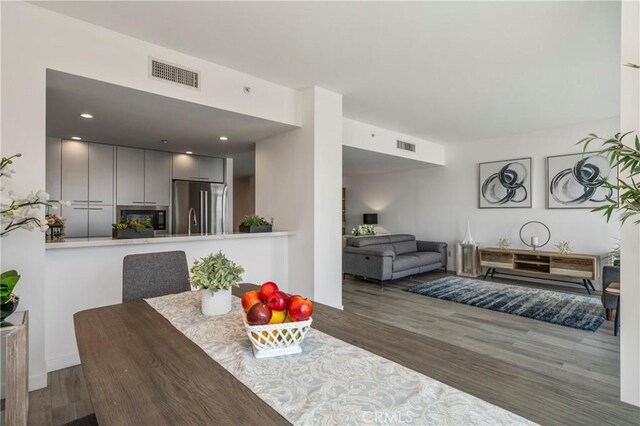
(435, 246)
(432, 246)
(370, 251)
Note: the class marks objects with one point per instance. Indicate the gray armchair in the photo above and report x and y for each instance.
(610, 274)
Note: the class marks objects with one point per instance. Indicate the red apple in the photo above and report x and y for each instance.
(277, 301)
(267, 289)
(259, 314)
(249, 299)
(299, 308)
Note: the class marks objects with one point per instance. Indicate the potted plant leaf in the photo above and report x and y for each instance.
(255, 223)
(8, 281)
(214, 275)
(140, 228)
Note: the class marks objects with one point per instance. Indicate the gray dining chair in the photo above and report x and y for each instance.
(154, 274)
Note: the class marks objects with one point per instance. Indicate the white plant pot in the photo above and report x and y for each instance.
(217, 303)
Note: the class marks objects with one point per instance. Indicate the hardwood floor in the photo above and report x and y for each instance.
(585, 361)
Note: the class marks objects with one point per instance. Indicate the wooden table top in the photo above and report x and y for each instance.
(140, 370)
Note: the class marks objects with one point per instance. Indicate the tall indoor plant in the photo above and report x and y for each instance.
(215, 275)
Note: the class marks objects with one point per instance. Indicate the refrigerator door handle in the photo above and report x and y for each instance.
(206, 211)
(201, 216)
(224, 208)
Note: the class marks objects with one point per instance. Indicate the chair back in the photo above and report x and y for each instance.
(154, 274)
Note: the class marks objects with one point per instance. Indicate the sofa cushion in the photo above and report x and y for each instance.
(405, 247)
(398, 238)
(367, 241)
(406, 261)
(428, 257)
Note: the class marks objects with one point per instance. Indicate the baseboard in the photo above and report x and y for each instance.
(64, 361)
(37, 381)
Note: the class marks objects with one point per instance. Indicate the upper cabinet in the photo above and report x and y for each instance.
(129, 176)
(212, 169)
(75, 172)
(157, 178)
(101, 173)
(86, 173)
(143, 177)
(194, 167)
(54, 168)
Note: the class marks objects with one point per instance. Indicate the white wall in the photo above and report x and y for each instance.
(34, 39)
(377, 139)
(630, 240)
(435, 203)
(298, 183)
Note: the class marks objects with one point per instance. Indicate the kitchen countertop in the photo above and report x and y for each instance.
(159, 239)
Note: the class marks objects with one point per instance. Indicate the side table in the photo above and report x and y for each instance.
(468, 260)
(15, 342)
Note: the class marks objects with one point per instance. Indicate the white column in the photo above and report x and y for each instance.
(298, 183)
(630, 234)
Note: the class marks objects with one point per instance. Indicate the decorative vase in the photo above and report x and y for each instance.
(468, 239)
(217, 303)
(9, 306)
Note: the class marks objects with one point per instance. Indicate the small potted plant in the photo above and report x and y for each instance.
(8, 281)
(255, 223)
(363, 230)
(140, 228)
(215, 275)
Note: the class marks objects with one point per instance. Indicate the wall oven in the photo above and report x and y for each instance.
(157, 215)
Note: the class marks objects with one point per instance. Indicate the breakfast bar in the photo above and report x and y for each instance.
(85, 273)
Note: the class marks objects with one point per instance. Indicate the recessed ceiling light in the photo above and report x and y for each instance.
(164, 141)
(224, 138)
(86, 115)
(189, 152)
(76, 138)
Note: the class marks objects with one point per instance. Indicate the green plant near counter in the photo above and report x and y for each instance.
(254, 220)
(215, 272)
(138, 225)
(8, 281)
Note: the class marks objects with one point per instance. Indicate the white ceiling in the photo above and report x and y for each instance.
(128, 117)
(444, 71)
(357, 162)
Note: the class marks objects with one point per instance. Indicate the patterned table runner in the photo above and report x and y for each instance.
(331, 381)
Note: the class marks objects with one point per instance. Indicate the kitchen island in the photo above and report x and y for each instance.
(85, 273)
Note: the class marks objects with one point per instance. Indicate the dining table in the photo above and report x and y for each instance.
(141, 370)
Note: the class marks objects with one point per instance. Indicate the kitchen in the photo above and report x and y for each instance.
(116, 154)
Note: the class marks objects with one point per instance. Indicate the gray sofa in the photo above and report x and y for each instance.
(389, 257)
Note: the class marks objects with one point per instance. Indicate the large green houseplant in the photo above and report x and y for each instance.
(215, 274)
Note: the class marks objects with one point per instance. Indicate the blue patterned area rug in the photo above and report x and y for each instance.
(585, 313)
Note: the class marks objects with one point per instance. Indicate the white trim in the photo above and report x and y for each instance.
(64, 361)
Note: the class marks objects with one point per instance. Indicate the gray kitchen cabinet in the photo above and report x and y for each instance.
(130, 171)
(157, 178)
(185, 167)
(100, 173)
(53, 168)
(100, 221)
(77, 221)
(198, 168)
(75, 171)
(211, 169)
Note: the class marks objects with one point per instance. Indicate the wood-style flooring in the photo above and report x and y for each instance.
(582, 360)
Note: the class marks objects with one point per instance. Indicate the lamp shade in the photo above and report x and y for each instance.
(370, 218)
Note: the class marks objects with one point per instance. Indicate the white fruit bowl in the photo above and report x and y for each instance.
(276, 339)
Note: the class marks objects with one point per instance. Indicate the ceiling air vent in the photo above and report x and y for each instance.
(179, 75)
(406, 146)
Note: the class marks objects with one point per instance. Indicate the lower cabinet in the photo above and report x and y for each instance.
(84, 221)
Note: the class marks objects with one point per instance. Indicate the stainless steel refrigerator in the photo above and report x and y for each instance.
(199, 207)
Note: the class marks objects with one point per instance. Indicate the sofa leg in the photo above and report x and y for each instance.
(608, 314)
(382, 285)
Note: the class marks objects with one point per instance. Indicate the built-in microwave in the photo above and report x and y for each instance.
(157, 215)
